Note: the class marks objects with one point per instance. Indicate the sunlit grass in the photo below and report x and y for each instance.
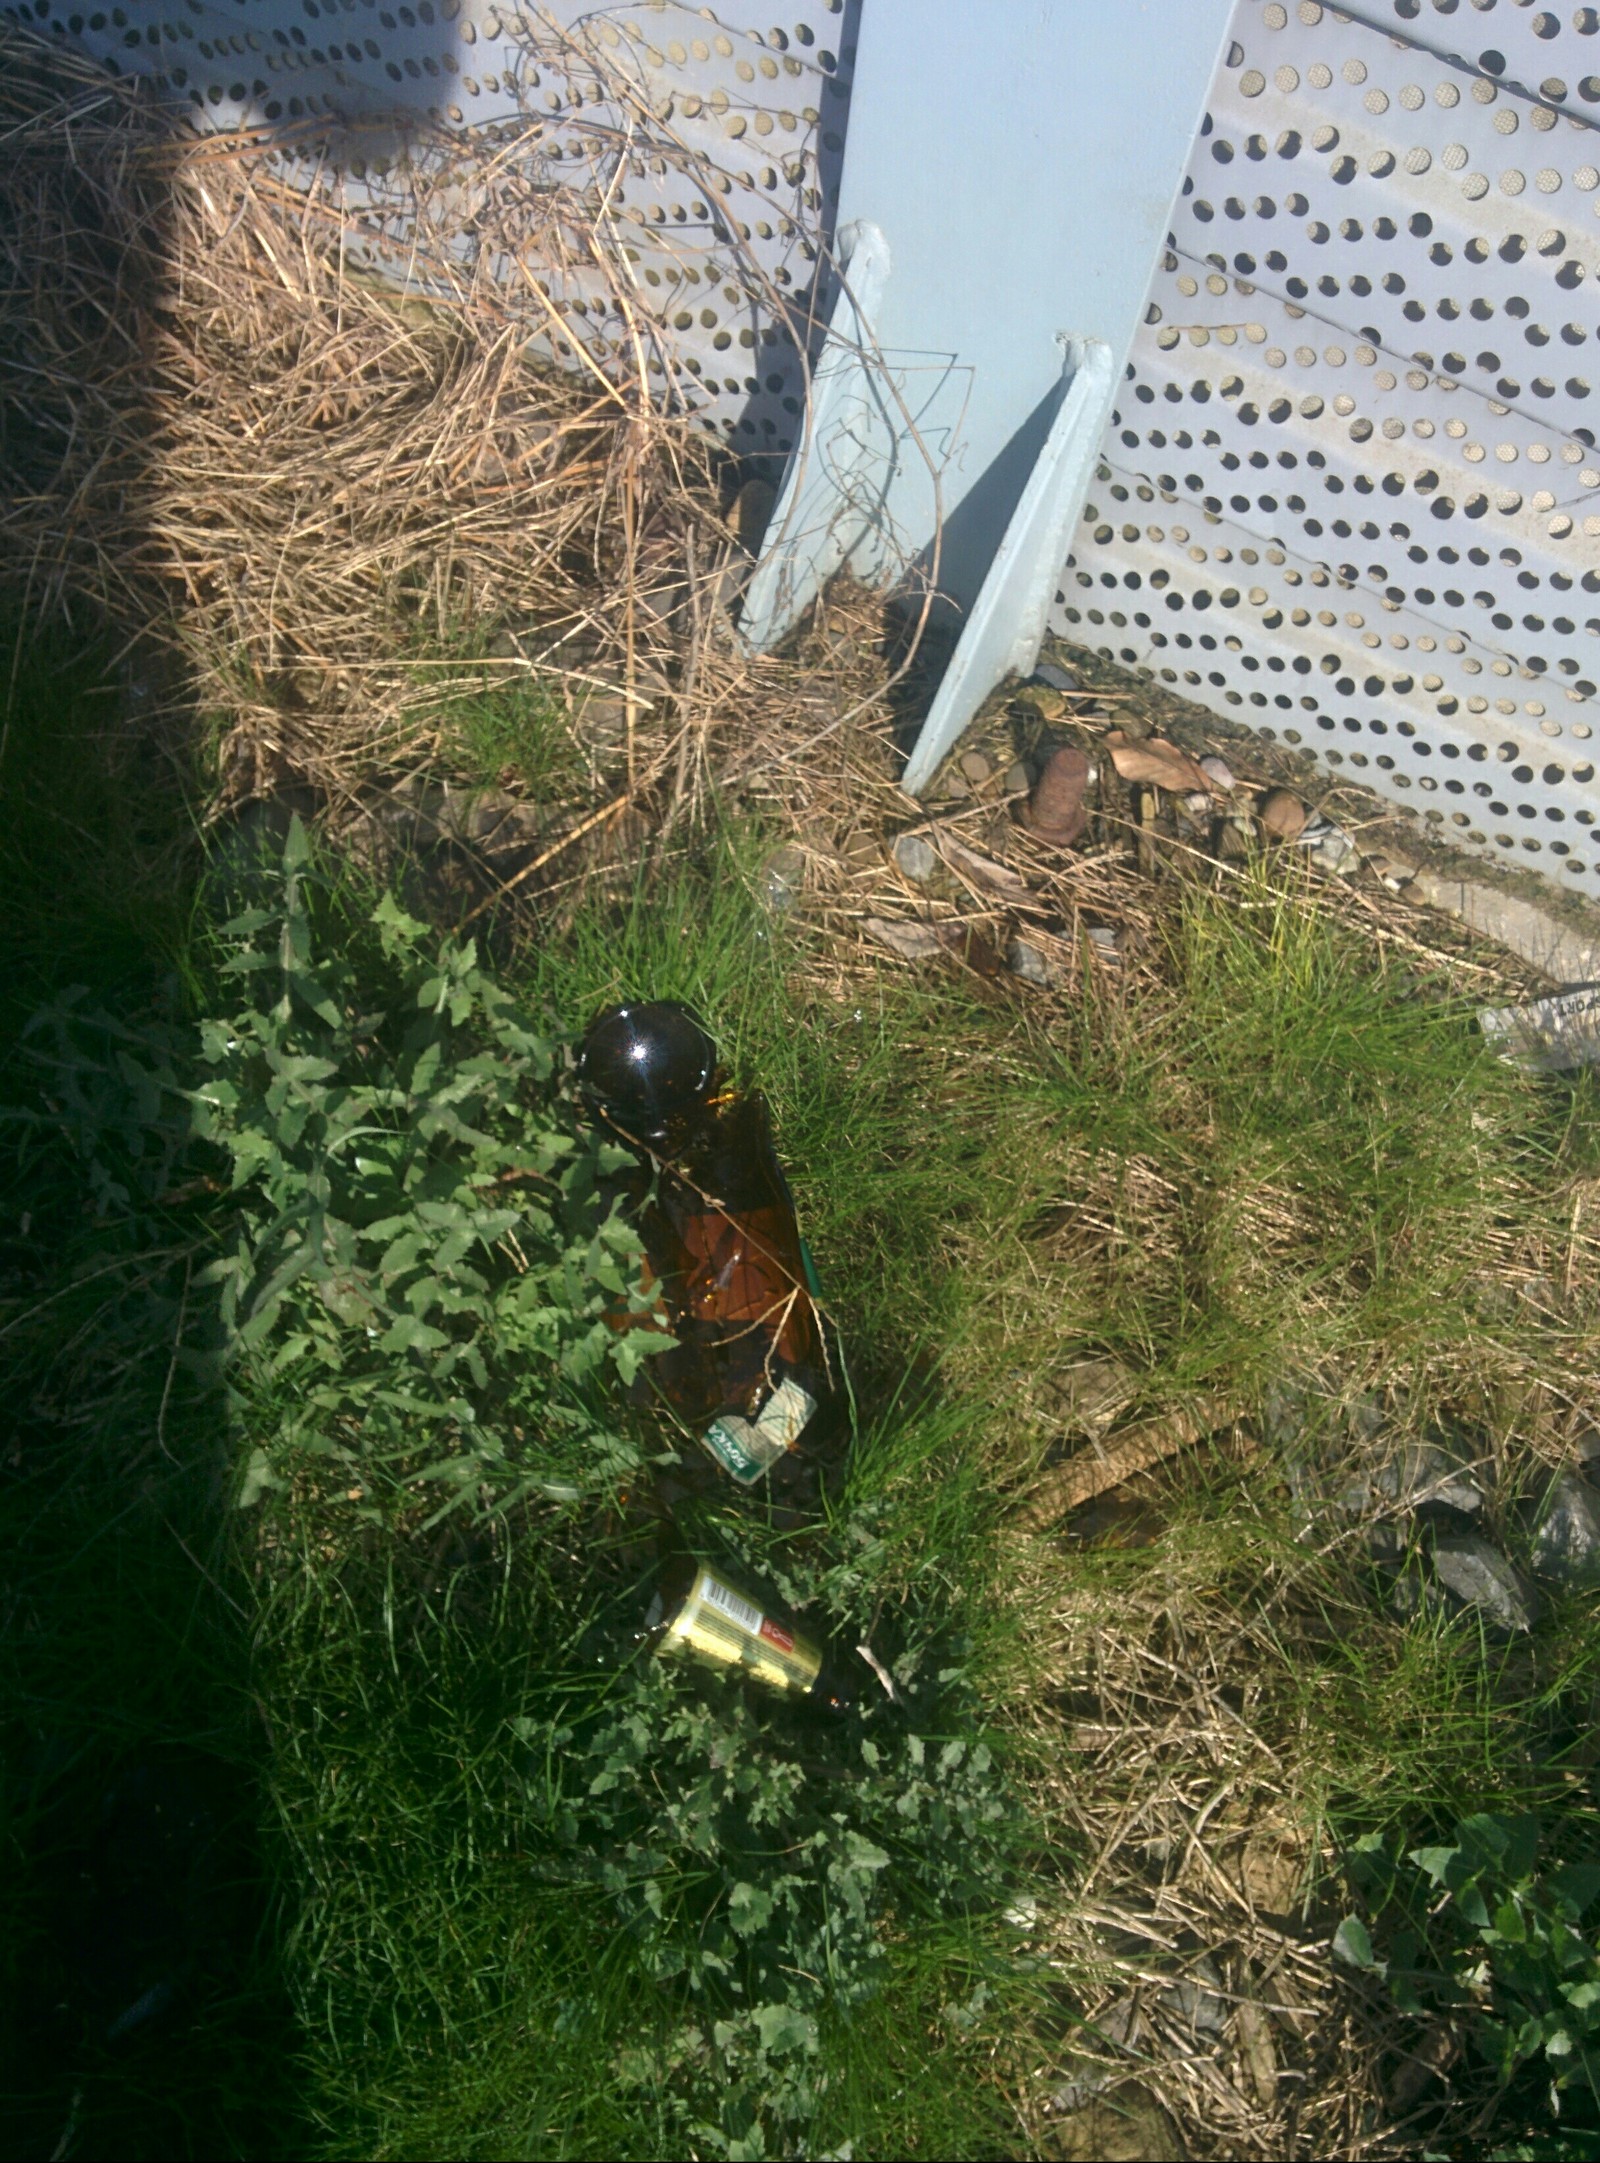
(1281, 1159)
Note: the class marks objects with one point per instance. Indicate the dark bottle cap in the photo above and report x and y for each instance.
(834, 1690)
(644, 1065)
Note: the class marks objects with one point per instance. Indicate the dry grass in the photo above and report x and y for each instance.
(294, 497)
(1197, 1865)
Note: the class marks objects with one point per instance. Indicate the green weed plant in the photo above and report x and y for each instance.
(1483, 1931)
(400, 1249)
(420, 1263)
(301, 1214)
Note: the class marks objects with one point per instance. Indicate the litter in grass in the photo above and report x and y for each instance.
(697, 1611)
(1548, 1036)
(1160, 1116)
(743, 1358)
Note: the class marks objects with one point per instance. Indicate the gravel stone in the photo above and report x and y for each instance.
(1478, 1575)
(918, 859)
(1422, 1476)
(1336, 853)
(1282, 814)
(1027, 962)
(1197, 1999)
(1566, 1540)
(1059, 679)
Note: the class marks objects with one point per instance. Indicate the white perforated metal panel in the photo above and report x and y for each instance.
(712, 136)
(1351, 494)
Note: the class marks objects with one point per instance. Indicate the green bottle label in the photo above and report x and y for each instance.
(748, 1448)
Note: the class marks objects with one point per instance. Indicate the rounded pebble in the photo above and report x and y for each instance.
(918, 859)
(1282, 814)
(1028, 963)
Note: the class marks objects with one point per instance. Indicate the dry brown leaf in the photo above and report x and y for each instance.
(1159, 764)
(1427, 2061)
(973, 946)
(912, 942)
(1000, 878)
(924, 942)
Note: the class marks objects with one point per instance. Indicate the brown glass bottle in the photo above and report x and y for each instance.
(752, 1364)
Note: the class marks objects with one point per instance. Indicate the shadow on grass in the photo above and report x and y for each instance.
(141, 2007)
(142, 2011)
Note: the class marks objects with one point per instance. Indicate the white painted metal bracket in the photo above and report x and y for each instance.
(1003, 634)
(834, 485)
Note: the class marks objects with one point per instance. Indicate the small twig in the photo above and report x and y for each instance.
(509, 886)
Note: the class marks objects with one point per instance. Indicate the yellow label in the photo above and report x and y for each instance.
(719, 1624)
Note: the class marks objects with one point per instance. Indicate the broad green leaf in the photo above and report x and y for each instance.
(1352, 1943)
(749, 1909)
(406, 1333)
(1487, 1837)
(1574, 1885)
(1435, 1862)
(297, 845)
(258, 1477)
(1521, 1848)
(784, 2028)
(1473, 1906)
(1508, 1923)
(863, 1853)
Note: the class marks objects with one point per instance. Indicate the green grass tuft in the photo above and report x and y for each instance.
(1276, 1158)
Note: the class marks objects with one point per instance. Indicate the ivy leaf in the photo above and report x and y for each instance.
(784, 2028)
(258, 1478)
(749, 1909)
(1352, 1943)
